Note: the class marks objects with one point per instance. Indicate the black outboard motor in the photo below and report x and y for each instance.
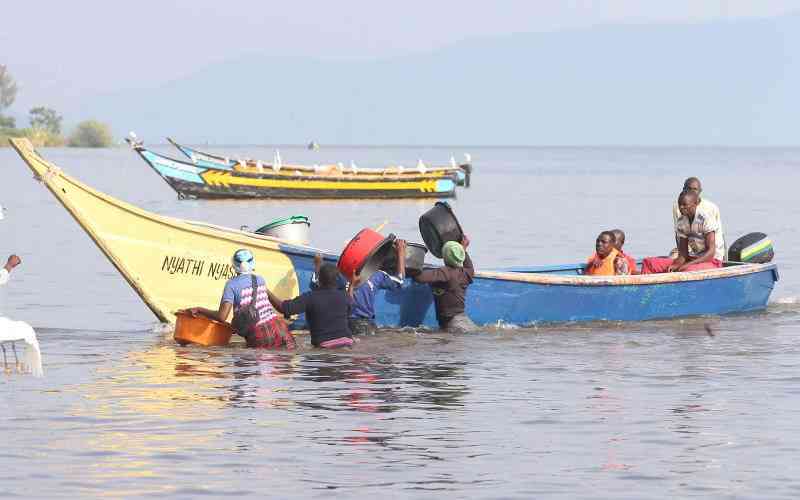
(752, 248)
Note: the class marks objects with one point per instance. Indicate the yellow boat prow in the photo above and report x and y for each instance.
(170, 263)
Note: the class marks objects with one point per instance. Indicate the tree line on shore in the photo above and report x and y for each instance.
(46, 123)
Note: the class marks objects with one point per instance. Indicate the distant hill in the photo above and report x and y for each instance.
(719, 83)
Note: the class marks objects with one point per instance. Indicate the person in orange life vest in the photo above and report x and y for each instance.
(624, 263)
(698, 246)
(601, 263)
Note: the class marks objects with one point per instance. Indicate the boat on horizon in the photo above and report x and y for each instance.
(201, 179)
(462, 172)
(173, 263)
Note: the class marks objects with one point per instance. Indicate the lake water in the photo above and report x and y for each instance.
(638, 410)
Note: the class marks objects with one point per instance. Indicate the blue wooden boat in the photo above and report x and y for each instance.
(173, 263)
(533, 295)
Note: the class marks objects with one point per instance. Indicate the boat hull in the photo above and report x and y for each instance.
(173, 263)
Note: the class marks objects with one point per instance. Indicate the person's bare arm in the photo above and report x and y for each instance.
(221, 314)
(683, 255)
(12, 262)
(708, 255)
(400, 245)
(276, 301)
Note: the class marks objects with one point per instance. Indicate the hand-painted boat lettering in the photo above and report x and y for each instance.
(195, 267)
(221, 271)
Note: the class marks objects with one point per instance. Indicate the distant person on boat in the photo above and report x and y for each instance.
(267, 330)
(327, 308)
(624, 263)
(705, 205)
(698, 246)
(449, 286)
(604, 260)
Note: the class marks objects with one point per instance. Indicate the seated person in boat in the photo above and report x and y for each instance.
(624, 263)
(5, 272)
(698, 246)
(708, 207)
(327, 308)
(603, 261)
(266, 329)
(449, 286)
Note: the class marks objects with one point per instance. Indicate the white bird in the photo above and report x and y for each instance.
(276, 161)
(453, 161)
(259, 166)
(421, 166)
(353, 167)
(468, 157)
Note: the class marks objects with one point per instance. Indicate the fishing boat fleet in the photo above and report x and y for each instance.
(171, 263)
(207, 175)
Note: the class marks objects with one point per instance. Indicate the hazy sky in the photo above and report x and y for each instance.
(62, 49)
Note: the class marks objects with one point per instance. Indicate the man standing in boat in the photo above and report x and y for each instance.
(449, 286)
(698, 247)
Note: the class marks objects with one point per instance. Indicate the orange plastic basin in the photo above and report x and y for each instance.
(201, 330)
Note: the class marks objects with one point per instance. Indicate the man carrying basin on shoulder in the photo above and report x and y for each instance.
(256, 321)
(326, 308)
(361, 294)
(449, 286)
(698, 246)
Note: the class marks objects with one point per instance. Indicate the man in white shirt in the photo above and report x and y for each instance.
(698, 247)
(706, 206)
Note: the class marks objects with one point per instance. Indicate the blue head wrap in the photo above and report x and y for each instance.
(243, 261)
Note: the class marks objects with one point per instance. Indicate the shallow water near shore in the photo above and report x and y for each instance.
(694, 407)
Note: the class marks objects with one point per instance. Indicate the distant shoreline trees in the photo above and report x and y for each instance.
(45, 123)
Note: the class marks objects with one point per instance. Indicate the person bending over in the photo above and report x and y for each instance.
(326, 309)
(698, 246)
(267, 330)
(449, 286)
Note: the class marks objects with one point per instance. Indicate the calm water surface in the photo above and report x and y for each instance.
(700, 407)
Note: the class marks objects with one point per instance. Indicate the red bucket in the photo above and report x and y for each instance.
(364, 254)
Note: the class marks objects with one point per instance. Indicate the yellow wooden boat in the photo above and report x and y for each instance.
(171, 263)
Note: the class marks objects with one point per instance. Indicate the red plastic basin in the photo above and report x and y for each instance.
(364, 254)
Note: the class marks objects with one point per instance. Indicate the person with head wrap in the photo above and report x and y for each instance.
(267, 330)
(449, 286)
